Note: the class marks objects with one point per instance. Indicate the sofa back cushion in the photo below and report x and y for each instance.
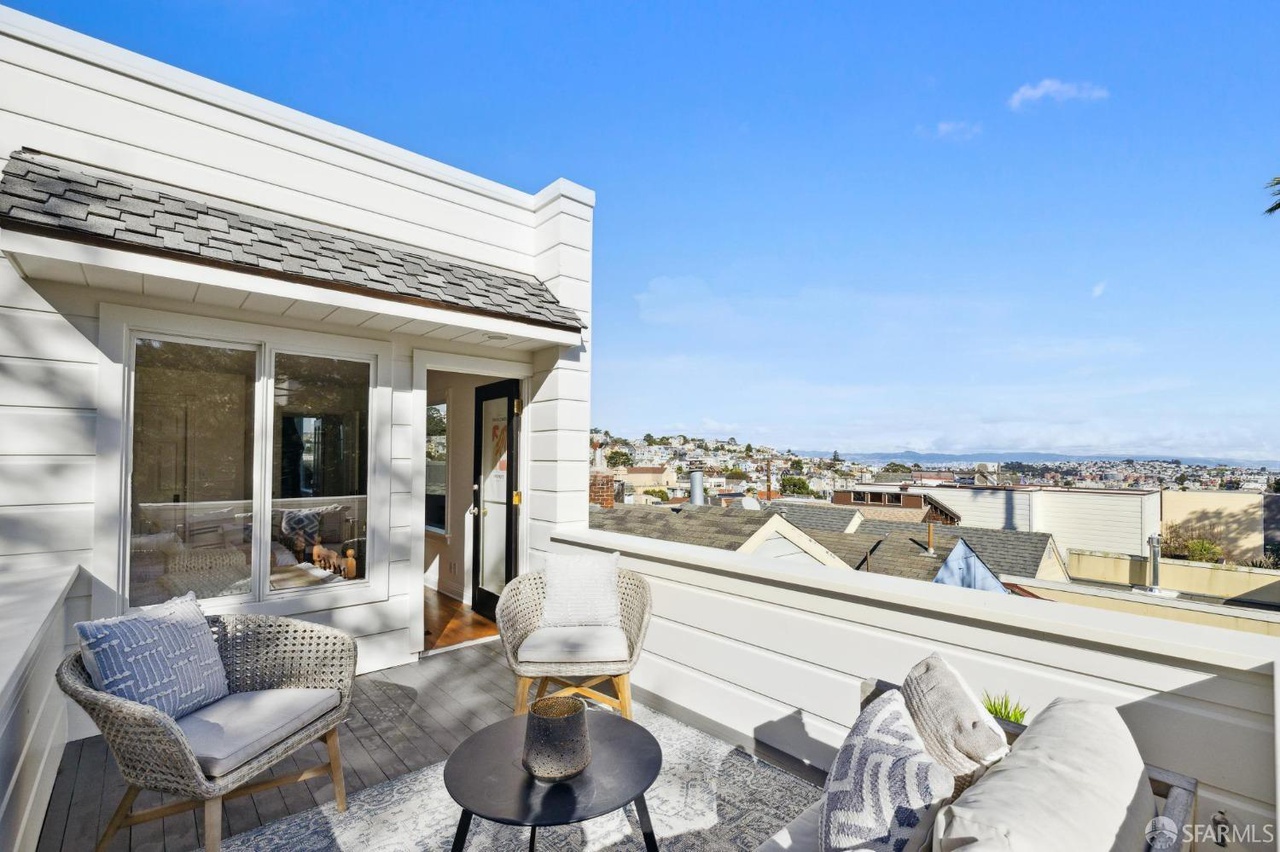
(1074, 782)
(163, 656)
(957, 730)
(883, 789)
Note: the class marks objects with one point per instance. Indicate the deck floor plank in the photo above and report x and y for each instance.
(401, 719)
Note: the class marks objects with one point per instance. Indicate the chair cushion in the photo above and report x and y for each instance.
(1074, 782)
(163, 656)
(957, 730)
(229, 733)
(581, 589)
(590, 644)
(883, 789)
(802, 834)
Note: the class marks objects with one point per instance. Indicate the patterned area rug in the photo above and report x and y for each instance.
(710, 796)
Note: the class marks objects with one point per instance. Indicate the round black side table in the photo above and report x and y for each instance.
(484, 775)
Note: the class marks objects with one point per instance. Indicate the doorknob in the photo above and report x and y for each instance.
(473, 511)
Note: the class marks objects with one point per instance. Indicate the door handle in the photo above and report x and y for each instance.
(473, 511)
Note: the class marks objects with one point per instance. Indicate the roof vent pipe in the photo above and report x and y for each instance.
(697, 496)
(1154, 541)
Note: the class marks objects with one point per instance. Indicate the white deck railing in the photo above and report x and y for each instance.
(779, 657)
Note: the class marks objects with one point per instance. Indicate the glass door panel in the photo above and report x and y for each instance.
(494, 511)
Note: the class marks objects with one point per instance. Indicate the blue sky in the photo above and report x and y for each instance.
(948, 228)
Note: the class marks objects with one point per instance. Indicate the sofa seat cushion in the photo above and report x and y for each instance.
(588, 644)
(802, 834)
(229, 733)
(1074, 782)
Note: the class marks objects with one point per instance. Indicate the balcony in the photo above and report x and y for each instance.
(775, 662)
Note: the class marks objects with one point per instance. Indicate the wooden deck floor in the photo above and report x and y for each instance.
(402, 719)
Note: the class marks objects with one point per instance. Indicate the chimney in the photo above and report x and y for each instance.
(601, 489)
(697, 496)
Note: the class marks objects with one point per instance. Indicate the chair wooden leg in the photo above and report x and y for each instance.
(213, 825)
(622, 685)
(118, 818)
(335, 770)
(542, 687)
(522, 694)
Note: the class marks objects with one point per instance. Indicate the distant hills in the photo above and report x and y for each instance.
(912, 457)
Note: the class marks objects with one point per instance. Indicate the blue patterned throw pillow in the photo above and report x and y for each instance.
(884, 790)
(163, 655)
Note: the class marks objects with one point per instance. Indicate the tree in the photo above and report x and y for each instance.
(795, 485)
(895, 467)
(748, 449)
(1275, 485)
(797, 466)
(619, 458)
(660, 493)
(736, 473)
(649, 439)
(1274, 186)
(917, 466)
(835, 456)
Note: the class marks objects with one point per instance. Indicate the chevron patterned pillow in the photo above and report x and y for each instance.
(163, 655)
(883, 790)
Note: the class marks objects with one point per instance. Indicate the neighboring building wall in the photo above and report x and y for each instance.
(1084, 519)
(1233, 518)
(1231, 582)
(1264, 622)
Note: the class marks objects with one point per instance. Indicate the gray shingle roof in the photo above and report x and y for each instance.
(821, 517)
(1003, 551)
(39, 192)
(705, 526)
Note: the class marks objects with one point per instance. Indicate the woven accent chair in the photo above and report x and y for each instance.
(259, 653)
(520, 614)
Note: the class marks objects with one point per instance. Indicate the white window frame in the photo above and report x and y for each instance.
(119, 326)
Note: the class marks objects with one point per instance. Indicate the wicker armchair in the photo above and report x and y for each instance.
(520, 613)
(259, 653)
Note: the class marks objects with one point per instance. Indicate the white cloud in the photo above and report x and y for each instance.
(1099, 289)
(1056, 90)
(958, 131)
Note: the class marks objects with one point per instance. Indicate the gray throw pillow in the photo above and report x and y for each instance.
(957, 730)
(883, 790)
(163, 656)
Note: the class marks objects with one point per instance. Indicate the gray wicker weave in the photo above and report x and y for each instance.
(258, 652)
(520, 613)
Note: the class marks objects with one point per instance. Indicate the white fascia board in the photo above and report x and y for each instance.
(18, 244)
(82, 48)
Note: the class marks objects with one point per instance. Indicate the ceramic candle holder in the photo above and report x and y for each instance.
(556, 746)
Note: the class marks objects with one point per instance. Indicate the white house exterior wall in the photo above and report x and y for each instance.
(74, 97)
